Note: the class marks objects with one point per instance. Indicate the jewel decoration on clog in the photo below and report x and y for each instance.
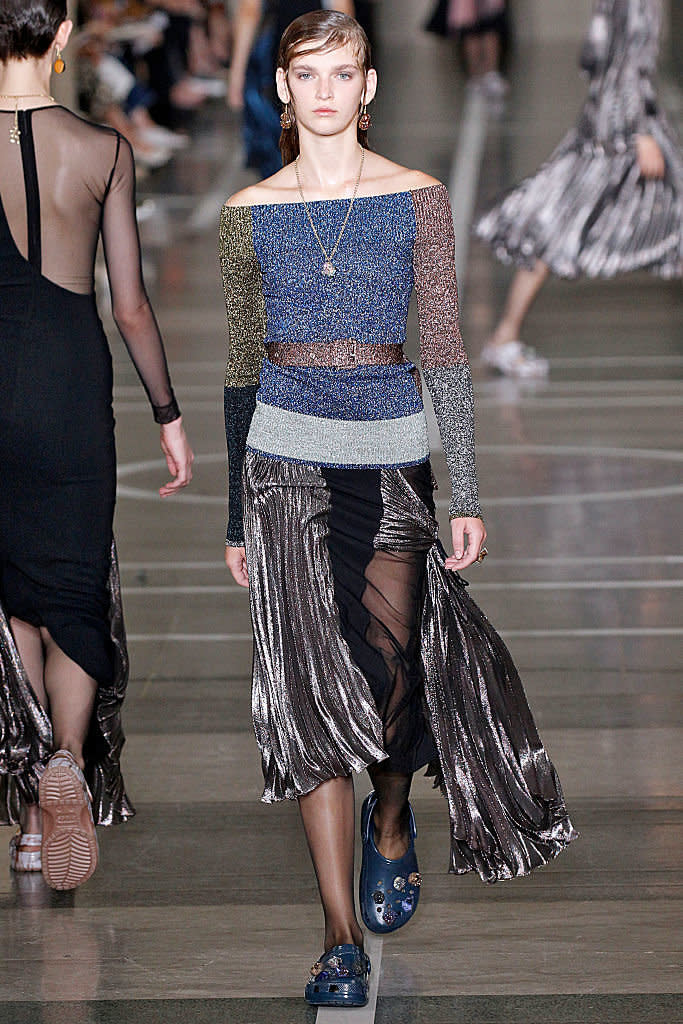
(390, 915)
(407, 904)
(399, 883)
(334, 967)
(378, 897)
(415, 878)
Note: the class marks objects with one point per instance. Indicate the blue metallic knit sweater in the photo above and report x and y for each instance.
(363, 416)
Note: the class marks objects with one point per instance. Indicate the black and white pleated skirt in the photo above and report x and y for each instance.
(588, 211)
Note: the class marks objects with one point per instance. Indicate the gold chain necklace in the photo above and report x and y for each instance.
(14, 133)
(328, 268)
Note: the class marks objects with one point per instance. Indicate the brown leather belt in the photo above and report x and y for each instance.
(344, 353)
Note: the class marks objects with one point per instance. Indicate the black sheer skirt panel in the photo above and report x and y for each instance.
(379, 595)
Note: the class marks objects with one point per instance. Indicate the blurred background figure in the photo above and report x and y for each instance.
(609, 199)
(145, 64)
(258, 27)
(481, 28)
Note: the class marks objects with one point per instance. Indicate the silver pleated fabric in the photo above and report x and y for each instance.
(314, 716)
(588, 210)
(26, 740)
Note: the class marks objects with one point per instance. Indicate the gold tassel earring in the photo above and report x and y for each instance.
(59, 66)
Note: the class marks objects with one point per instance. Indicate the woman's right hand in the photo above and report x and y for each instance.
(236, 561)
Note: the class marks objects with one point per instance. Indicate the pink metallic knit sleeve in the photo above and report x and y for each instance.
(435, 283)
(444, 361)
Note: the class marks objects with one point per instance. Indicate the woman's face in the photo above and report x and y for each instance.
(326, 89)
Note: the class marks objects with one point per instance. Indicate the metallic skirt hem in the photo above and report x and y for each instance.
(26, 741)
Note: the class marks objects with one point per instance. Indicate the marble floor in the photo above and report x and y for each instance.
(204, 908)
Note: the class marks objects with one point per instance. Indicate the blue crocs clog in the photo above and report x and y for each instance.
(339, 978)
(389, 890)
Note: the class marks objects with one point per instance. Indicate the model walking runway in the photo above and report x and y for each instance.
(64, 663)
(367, 654)
(204, 906)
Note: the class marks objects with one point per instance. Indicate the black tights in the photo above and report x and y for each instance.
(328, 816)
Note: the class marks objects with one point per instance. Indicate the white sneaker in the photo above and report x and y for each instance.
(163, 137)
(513, 359)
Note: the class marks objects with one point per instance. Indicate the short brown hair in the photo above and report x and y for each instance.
(320, 32)
(27, 27)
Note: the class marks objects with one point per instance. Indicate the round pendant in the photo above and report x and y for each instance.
(328, 269)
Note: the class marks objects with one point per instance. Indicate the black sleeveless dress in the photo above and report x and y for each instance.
(63, 185)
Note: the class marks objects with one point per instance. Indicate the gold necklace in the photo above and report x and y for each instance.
(14, 133)
(328, 268)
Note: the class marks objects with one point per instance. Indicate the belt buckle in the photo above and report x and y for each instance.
(347, 354)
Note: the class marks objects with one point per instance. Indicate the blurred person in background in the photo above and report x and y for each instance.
(480, 26)
(64, 183)
(145, 63)
(187, 64)
(609, 199)
(109, 90)
(257, 28)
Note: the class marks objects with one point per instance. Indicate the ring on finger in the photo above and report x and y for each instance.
(482, 555)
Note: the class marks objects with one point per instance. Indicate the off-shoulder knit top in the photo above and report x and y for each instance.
(363, 416)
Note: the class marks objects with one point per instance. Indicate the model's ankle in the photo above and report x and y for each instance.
(343, 935)
(504, 333)
(391, 826)
(30, 820)
(76, 751)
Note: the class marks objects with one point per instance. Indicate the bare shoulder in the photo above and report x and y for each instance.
(385, 175)
(279, 188)
(412, 179)
(420, 179)
(249, 196)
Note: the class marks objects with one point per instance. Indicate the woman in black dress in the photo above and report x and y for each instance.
(63, 660)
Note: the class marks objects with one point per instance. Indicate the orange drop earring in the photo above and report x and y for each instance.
(59, 66)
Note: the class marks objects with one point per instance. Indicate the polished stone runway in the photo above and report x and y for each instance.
(204, 908)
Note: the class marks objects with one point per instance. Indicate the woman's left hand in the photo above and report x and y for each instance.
(468, 536)
(179, 456)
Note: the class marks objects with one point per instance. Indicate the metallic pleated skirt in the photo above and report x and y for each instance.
(26, 741)
(367, 649)
(589, 211)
